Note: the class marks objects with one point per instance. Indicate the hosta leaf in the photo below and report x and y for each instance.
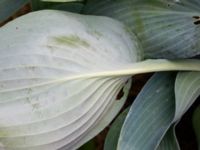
(114, 132)
(110, 114)
(196, 124)
(194, 4)
(72, 7)
(169, 142)
(9, 7)
(60, 74)
(166, 29)
(44, 105)
(150, 115)
(187, 89)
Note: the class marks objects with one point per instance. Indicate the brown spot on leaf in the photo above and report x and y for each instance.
(196, 17)
(197, 22)
(120, 94)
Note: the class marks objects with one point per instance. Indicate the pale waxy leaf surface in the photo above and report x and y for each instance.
(60, 74)
(43, 104)
(166, 29)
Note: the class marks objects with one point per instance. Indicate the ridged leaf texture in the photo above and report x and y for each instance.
(44, 103)
(166, 29)
(60, 75)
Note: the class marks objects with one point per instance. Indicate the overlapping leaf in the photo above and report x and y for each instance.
(9, 7)
(150, 115)
(169, 142)
(114, 132)
(60, 74)
(166, 29)
(187, 89)
(44, 103)
(155, 110)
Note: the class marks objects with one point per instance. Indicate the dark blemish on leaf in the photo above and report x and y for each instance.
(16, 28)
(196, 17)
(197, 22)
(127, 82)
(120, 94)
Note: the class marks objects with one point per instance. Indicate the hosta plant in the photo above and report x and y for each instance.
(61, 73)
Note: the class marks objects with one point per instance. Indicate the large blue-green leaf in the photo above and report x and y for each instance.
(9, 7)
(60, 74)
(114, 132)
(155, 110)
(187, 89)
(169, 142)
(166, 29)
(150, 115)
